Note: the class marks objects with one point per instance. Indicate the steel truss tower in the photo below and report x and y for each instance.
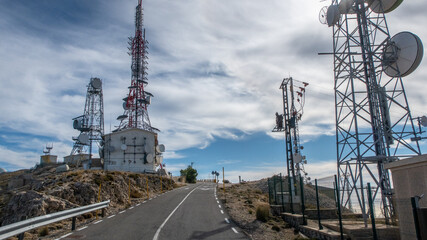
(292, 113)
(373, 120)
(136, 103)
(91, 123)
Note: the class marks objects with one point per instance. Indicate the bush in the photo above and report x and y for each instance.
(135, 194)
(44, 232)
(263, 212)
(275, 228)
(190, 174)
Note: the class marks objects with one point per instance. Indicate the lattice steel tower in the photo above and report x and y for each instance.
(91, 123)
(136, 103)
(373, 120)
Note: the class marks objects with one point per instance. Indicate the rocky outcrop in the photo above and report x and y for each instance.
(30, 204)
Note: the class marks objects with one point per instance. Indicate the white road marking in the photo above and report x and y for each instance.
(111, 216)
(138, 204)
(222, 212)
(234, 230)
(81, 228)
(66, 235)
(217, 201)
(149, 199)
(219, 206)
(130, 207)
(226, 219)
(144, 201)
(122, 211)
(187, 188)
(97, 222)
(156, 236)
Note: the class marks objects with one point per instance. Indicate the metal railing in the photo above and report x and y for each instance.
(32, 223)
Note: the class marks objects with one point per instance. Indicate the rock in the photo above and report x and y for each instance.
(62, 168)
(31, 204)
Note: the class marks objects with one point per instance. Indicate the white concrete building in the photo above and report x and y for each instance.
(133, 150)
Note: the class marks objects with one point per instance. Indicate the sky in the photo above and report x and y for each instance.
(214, 68)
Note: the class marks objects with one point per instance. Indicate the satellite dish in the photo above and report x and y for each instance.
(402, 55)
(424, 121)
(150, 158)
(76, 124)
(160, 148)
(112, 148)
(322, 15)
(384, 6)
(332, 15)
(125, 107)
(96, 83)
(345, 6)
(297, 158)
(83, 138)
(123, 147)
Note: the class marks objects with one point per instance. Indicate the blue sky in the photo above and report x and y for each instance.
(214, 69)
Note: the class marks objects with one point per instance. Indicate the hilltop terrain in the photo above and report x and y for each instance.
(30, 193)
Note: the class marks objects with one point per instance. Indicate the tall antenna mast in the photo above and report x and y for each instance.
(373, 121)
(135, 105)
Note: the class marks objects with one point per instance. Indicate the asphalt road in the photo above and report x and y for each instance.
(190, 212)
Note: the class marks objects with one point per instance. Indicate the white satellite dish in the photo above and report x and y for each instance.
(96, 83)
(332, 15)
(424, 121)
(297, 158)
(83, 138)
(403, 54)
(123, 147)
(150, 158)
(387, 5)
(160, 148)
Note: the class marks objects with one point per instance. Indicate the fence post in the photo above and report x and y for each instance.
(291, 200)
(269, 191)
(301, 183)
(339, 206)
(148, 192)
(274, 190)
(318, 205)
(414, 202)
(73, 224)
(371, 207)
(281, 193)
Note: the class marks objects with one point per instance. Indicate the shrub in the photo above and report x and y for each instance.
(250, 211)
(135, 194)
(275, 228)
(44, 232)
(87, 215)
(263, 212)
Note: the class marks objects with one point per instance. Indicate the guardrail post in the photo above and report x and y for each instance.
(73, 224)
(21, 236)
(103, 212)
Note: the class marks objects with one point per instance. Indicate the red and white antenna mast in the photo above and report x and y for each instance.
(136, 103)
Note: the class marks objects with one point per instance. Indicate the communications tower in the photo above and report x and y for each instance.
(135, 105)
(373, 120)
(91, 123)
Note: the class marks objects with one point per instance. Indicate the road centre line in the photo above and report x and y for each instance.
(234, 230)
(156, 236)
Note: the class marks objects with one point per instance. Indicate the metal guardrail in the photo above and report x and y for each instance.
(32, 223)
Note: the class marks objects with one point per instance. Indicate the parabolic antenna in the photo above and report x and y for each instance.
(77, 124)
(96, 83)
(125, 107)
(123, 147)
(150, 158)
(297, 158)
(322, 15)
(423, 121)
(387, 5)
(83, 138)
(345, 6)
(160, 148)
(332, 15)
(402, 54)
